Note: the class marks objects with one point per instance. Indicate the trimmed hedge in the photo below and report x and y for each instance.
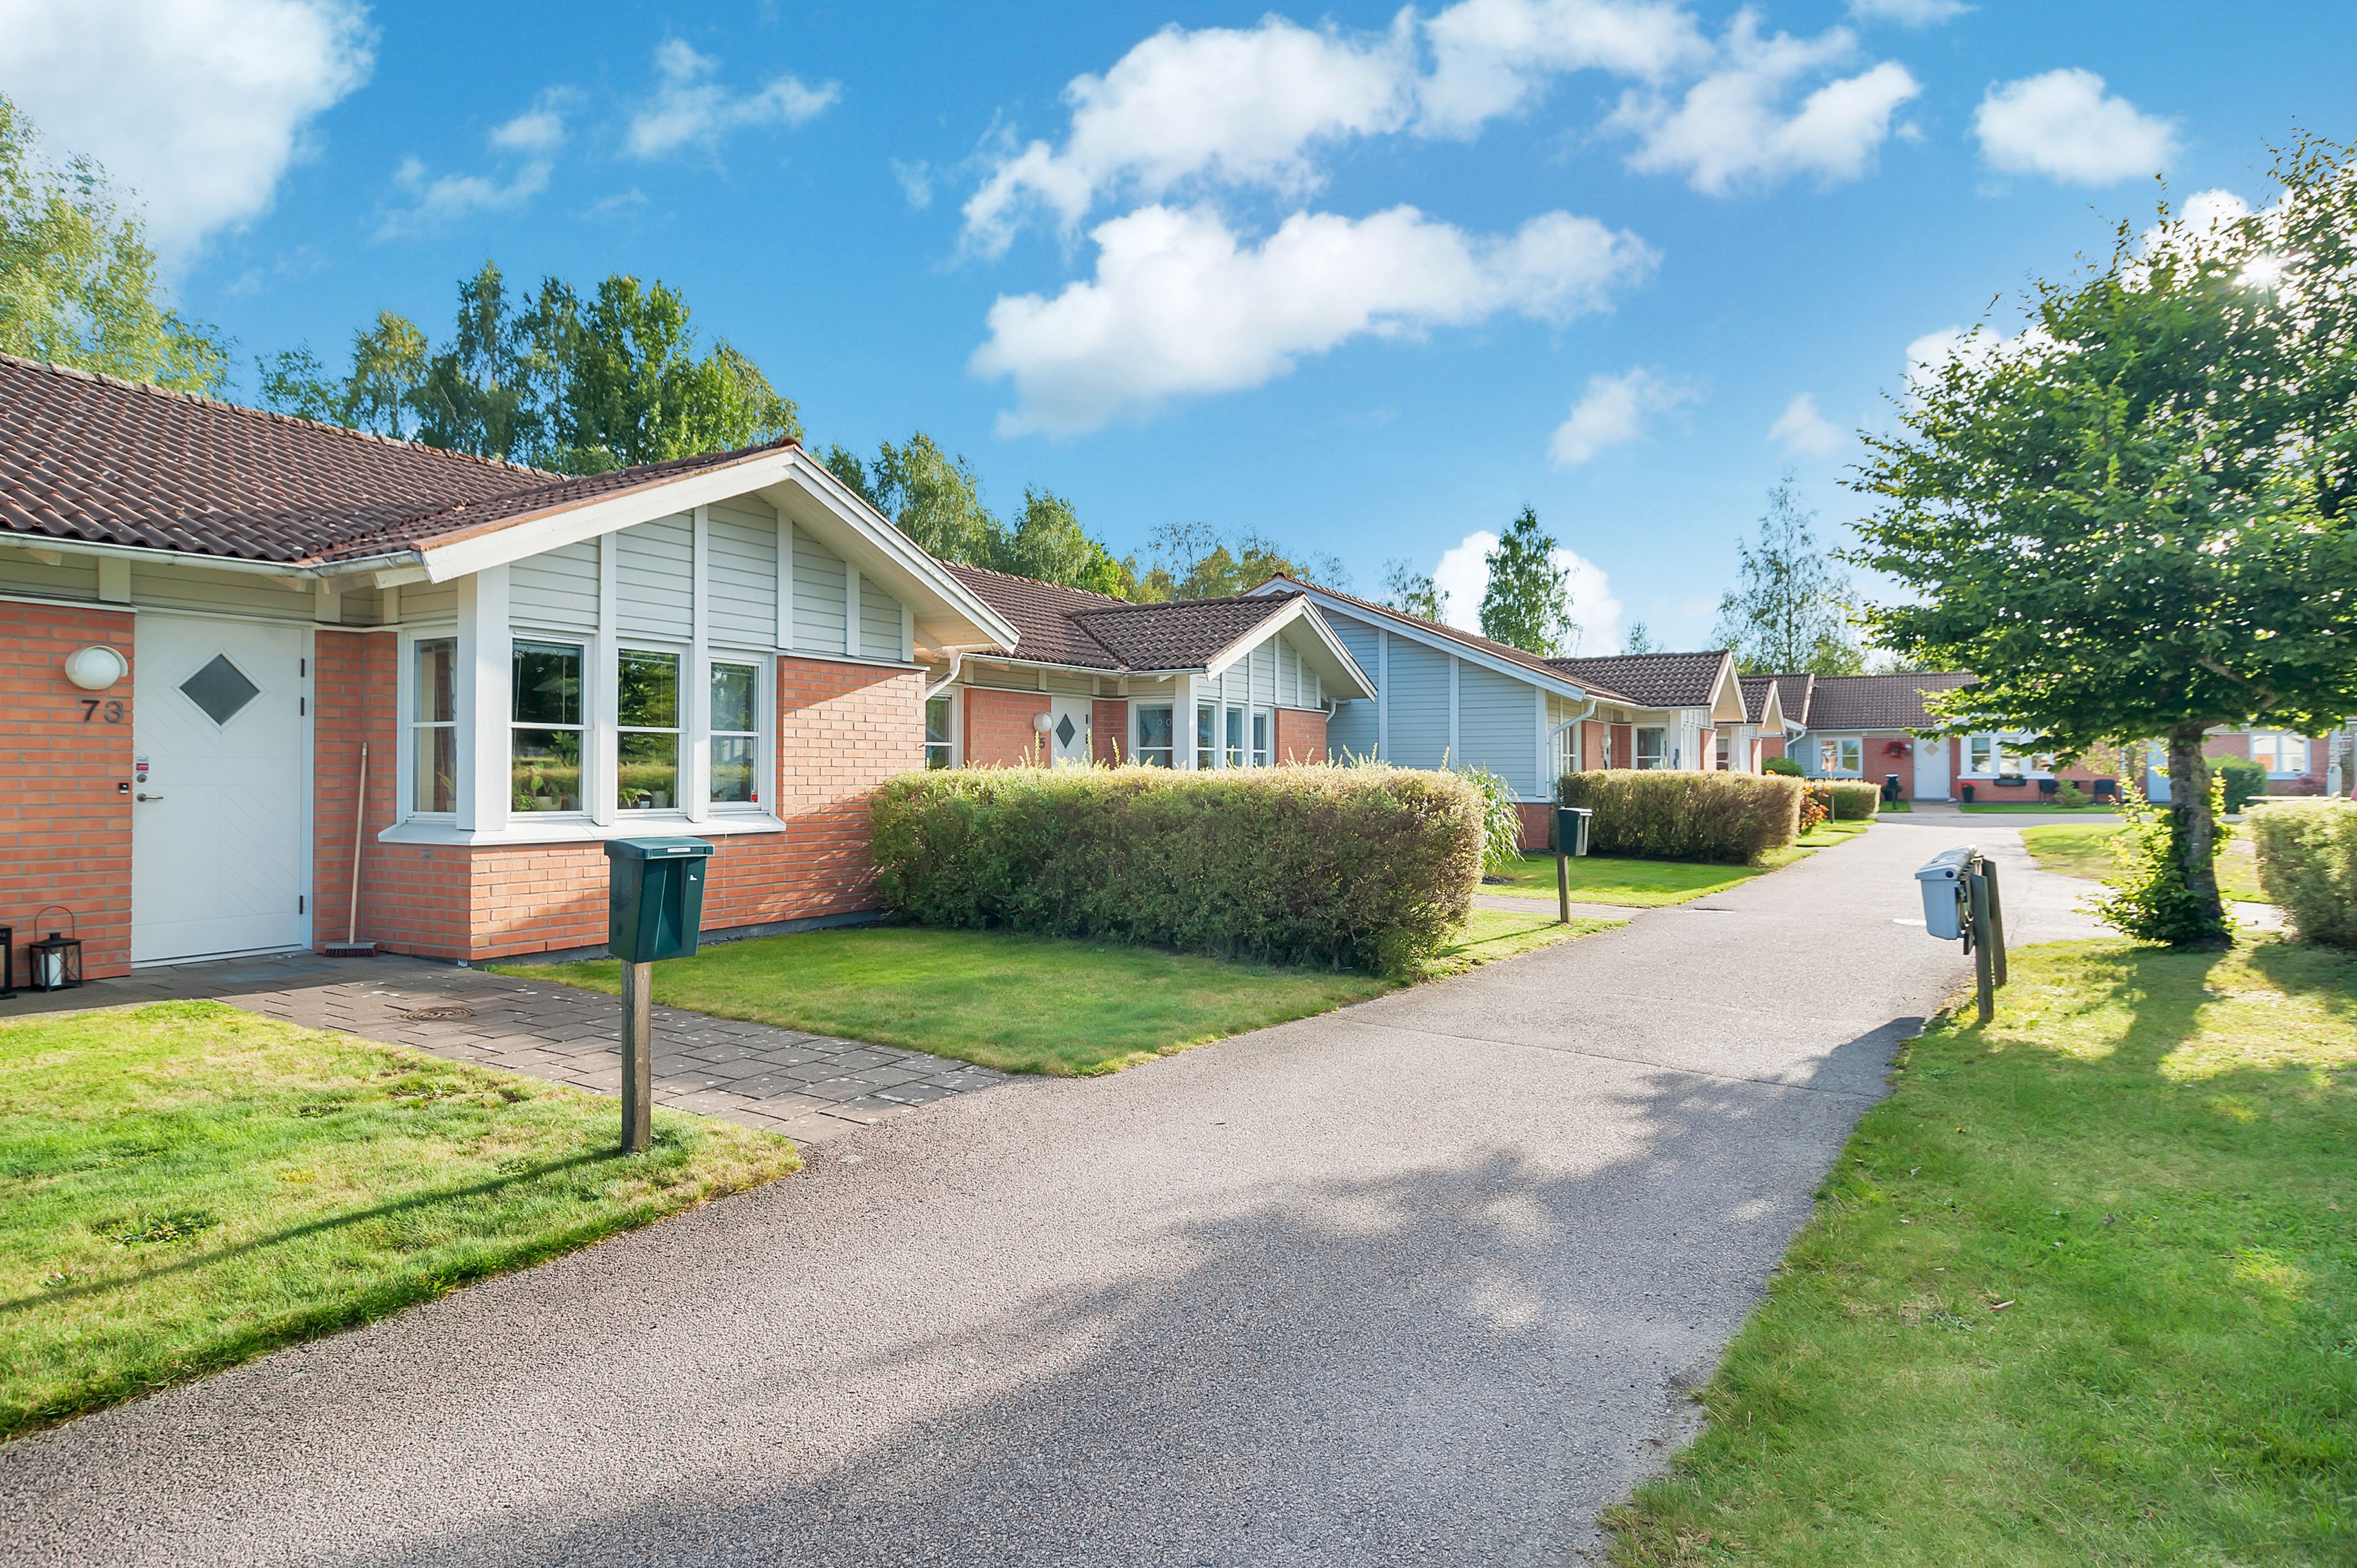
(1855, 802)
(1788, 766)
(2308, 863)
(1733, 819)
(1363, 866)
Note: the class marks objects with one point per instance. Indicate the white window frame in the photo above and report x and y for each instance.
(1262, 737)
(588, 727)
(1235, 750)
(1850, 746)
(952, 746)
(765, 773)
(2275, 741)
(406, 698)
(1137, 749)
(680, 733)
(1637, 747)
(1992, 753)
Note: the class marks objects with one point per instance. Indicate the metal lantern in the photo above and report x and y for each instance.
(54, 963)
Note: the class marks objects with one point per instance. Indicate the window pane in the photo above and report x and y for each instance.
(732, 769)
(1852, 755)
(1235, 737)
(545, 772)
(1154, 729)
(437, 698)
(436, 787)
(732, 698)
(1260, 740)
(646, 692)
(646, 776)
(1203, 735)
(548, 681)
(937, 722)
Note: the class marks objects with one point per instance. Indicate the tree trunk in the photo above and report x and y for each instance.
(2195, 829)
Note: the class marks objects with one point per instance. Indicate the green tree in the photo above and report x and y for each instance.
(388, 368)
(77, 278)
(1412, 592)
(844, 465)
(635, 392)
(1639, 638)
(1191, 561)
(476, 395)
(935, 500)
(1049, 545)
(1789, 611)
(2134, 519)
(1524, 605)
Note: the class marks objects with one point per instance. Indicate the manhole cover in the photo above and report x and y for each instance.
(436, 1015)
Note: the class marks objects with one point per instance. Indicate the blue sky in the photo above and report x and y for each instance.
(1365, 280)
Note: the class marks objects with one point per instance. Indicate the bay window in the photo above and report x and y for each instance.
(646, 692)
(1235, 737)
(1154, 737)
(735, 738)
(544, 727)
(434, 726)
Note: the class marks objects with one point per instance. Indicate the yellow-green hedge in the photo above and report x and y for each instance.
(2308, 863)
(1732, 819)
(1357, 867)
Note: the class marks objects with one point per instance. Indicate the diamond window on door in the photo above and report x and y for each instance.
(1064, 731)
(221, 689)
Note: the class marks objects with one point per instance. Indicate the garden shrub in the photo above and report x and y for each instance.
(2245, 780)
(2308, 864)
(1815, 808)
(1733, 819)
(2066, 793)
(1369, 866)
(1853, 802)
(1789, 768)
(2145, 898)
(1501, 821)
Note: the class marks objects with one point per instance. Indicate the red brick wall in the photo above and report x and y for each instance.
(1109, 730)
(1591, 744)
(1624, 746)
(353, 697)
(1538, 822)
(1301, 735)
(2310, 783)
(998, 732)
(67, 826)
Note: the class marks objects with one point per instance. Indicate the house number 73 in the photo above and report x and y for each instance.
(92, 707)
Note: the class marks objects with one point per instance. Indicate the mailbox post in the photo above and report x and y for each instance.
(654, 908)
(1570, 839)
(1961, 903)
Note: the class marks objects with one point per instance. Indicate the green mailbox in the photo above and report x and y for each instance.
(655, 898)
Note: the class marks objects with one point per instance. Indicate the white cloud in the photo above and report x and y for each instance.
(201, 106)
(530, 141)
(1737, 126)
(1803, 430)
(916, 182)
(690, 109)
(1612, 413)
(1928, 355)
(1464, 574)
(1179, 305)
(1242, 106)
(1493, 57)
(1907, 13)
(2064, 125)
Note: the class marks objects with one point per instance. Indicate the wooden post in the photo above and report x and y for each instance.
(1983, 955)
(638, 1051)
(1562, 879)
(1995, 918)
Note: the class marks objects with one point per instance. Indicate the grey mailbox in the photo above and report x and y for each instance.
(1947, 901)
(654, 906)
(1961, 904)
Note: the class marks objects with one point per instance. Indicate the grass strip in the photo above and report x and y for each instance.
(2001, 808)
(2077, 849)
(1656, 884)
(184, 1187)
(1016, 1003)
(2081, 1291)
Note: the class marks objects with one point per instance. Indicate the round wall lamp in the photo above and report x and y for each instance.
(96, 668)
(1043, 722)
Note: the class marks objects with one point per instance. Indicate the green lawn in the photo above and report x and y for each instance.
(1021, 1004)
(1888, 807)
(2077, 849)
(2001, 808)
(1653, 884)
(2082, 1291)
(184, 1187)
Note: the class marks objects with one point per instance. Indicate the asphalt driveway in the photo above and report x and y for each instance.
(1418, 1281)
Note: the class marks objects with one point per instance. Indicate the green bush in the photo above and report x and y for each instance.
(1853, 802)
(2146, 898)
(2245, 780)
(2308, 864)
(1787, 767)
(1368, 866)
(1501, 821)
(1731, 818)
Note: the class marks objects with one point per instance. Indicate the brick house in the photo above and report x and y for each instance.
(1247, 681)
(1690, 709)
(732, 646)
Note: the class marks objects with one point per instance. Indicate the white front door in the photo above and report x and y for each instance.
(1931, 770)
(220, 813)
(1067, 731)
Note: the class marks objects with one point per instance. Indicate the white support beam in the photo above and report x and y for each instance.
(850, 610)
(602, 702)
(785, 581)
(484, 655)
(114, 580)
(695, 702)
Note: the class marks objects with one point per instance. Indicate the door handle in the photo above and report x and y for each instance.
(145, 797)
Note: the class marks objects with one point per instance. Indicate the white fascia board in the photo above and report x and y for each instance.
(1399, 625)
(789, 479)
(1771, 712)
(1727, 694)
(294, 574)
(1340, 666)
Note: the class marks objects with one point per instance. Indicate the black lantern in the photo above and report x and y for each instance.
(54, 963)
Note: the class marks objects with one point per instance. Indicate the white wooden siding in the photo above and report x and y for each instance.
(557, 588)
(818, 596)
(428, 602)
(1497, 726)
(654, 578)
(742, 574)
(1418, 699)
(880, 622)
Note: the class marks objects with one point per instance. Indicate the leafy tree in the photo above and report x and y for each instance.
(635, 393)
(78, 279)
(1412, 592)
(388, 367)
(2135, 520)
(1639, 638)
(478, 396)
(1789, 612)
(1191, 561)
(936, 500)
(1049, 545)
(844, 465)
(1524, 605)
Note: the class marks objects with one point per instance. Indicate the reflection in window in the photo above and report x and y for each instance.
(2280, 752)
(1260, 739)
(1154, 737)
(1653, 747)
(1846, 754)
(1235, 737)
(545, 742)
(937, 734)
(646, 693)
(1205, 753)
(734, 738)
(433, 727)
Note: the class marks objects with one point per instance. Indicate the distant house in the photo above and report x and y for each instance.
(1687, 703)
(1867, 727)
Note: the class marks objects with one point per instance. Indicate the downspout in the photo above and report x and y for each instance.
(1580, 717)
(957, 659)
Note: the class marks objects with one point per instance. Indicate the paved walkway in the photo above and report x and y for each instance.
(1423, 1280)
(809, 1086)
